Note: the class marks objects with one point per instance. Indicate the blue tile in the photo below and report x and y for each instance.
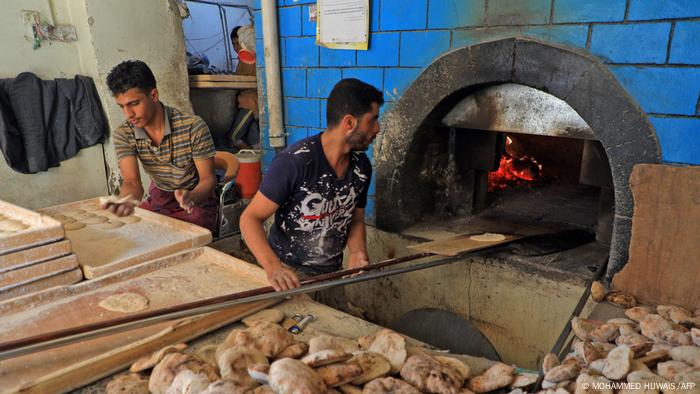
(663, 9)
(323, 116)
(372, 76)
(301, 112)
(661, 90)
(295, 2)
(518, 12)
(374, 15)
(300, 52)
(411, 17)
(679, 139)
(289, 21)
(631, 43)
(396, 80)
(685, 45)
(321, 81)
(308, 27)
(419, 48)
(383, 51)
(313, 131)
(589, 11)
(294, 82)
(337, 57)
(448, 14)
(295, 134)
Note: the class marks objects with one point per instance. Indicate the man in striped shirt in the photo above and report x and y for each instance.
(174, 148)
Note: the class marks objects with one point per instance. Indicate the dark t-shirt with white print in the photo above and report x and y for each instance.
(313, 221)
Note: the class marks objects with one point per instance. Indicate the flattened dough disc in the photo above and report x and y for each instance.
(124, 302)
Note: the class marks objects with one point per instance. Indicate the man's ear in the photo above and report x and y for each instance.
(349, 122)
(154, 95)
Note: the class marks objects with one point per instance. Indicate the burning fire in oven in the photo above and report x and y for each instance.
(515, 169)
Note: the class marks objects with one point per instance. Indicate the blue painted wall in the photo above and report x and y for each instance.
(652, 46)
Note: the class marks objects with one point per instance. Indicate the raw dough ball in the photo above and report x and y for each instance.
(94, 220)
(124, 302)
(111, 224)
(488, 237)
(83, 216)
(130, 219)
(72, 226)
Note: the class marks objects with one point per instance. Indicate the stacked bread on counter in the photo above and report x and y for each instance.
(650, 350)
(266, 358)
(34, 254)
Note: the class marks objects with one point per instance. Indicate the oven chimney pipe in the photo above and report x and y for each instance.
(272, 73)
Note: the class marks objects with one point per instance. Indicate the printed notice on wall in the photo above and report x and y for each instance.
(342, 24)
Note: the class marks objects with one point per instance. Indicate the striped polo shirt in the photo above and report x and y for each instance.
(171, 164)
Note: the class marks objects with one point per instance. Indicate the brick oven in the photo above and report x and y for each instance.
(514, 135)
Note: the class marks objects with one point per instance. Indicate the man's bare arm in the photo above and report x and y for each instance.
(357, 240)
(131, 185)
(252, 219)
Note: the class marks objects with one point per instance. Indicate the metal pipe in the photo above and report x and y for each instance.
(272, 73)
(227, 45)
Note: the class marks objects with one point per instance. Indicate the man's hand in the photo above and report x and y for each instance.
(123, 206)
(282, 278)
(184, 198)
(358, 259)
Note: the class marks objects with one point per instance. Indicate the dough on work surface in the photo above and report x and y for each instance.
(90, 207)
(488, 237)
(124, 302)
(72, 212)
(82, 216)
(72, 226)
(12, 225)
(130, 219)
(111, 224)
(94, 220)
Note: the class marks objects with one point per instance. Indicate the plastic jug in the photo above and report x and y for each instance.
(249, 173)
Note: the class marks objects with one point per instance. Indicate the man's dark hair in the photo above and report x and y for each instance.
(131, 74)
(353, 97)
(234, 33)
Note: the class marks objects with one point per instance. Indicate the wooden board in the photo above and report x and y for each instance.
(30, 273)
(23, 258)
(223, 78)
(224, 85)
(42, 229)
(102, 251)
(459, 244)
(665, 245)
(66, 278)
(185, 277)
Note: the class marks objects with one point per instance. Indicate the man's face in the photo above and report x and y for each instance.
(137, 106)
(365, 131)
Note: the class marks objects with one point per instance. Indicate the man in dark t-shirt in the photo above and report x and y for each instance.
(317, 190)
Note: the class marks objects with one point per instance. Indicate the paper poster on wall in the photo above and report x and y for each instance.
(342, 24)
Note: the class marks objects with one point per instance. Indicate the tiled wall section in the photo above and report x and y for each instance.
(652, 47)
